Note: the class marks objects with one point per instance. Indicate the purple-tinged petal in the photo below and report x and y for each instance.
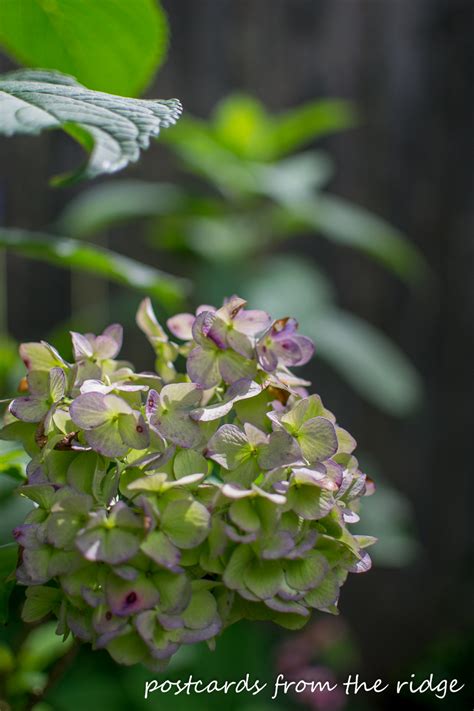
(181, 326)
(203, 367)
(106, 440)
(252, 322)
(201, 328)
(81, 346)
(89, 410)
(306, 347)
(287, 351)
(29, 409)
(109, 344)
(362, 565)
(266, 355)
(128, 597)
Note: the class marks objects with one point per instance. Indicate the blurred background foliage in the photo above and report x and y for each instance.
(240, 201)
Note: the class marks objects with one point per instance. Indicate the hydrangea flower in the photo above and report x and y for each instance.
(169, 505)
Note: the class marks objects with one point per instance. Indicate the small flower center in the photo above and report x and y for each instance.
(131, 598)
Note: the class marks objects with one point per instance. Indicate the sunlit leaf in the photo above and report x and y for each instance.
(345, 223)
(109, 45)
(110, 203)
(81, 256)
(113, 129)
(316, 119)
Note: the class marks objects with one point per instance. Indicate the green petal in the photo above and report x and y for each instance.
(57, 384)
(133, 430)
(307, 572)
(326, 593)
(186, 522)
(317, 439)
(40, 601)
(174, 590)
(128, 649)
(304, 410)
(201, 611)
(159, 548)
(229, 446)
(240, 559)
(263, 578)
(40, 356)
(244, 515)
(188, 462)
(90, 410)
(310, 502)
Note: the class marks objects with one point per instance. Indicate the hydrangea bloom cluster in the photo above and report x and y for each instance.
(169, 505)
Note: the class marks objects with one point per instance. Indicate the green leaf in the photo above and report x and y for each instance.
(308, 122)
(370, 362)
(345, 223)
(79, 256)
(110, 203)
(8, 560)
(40, 601)
(186, 523)
(13, 461)
(113, 129)
(42, 647)
(109, 45)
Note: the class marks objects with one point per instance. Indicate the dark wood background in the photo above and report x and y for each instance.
(408, 66)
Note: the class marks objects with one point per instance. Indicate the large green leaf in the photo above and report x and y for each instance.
(316, 119)
(350, 225)
(369, 361)
(242, 124)
(107, 204)
(85, 257)
(109, 45)
(112, 128)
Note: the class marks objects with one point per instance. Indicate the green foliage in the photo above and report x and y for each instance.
(239, 150)
(112, 129)
(261, 198)
(168, 508)
(109, 45)
(74, 254)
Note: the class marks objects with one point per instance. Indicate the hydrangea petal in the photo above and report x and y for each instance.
(263, 578)
(89, 410)
(186, 522)
(252, 321)
(181, 326)
(307, 572)
(133, 430)
(29, 409)
(234, 367)
(317, 439)
(203, 367)
(159, 548)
